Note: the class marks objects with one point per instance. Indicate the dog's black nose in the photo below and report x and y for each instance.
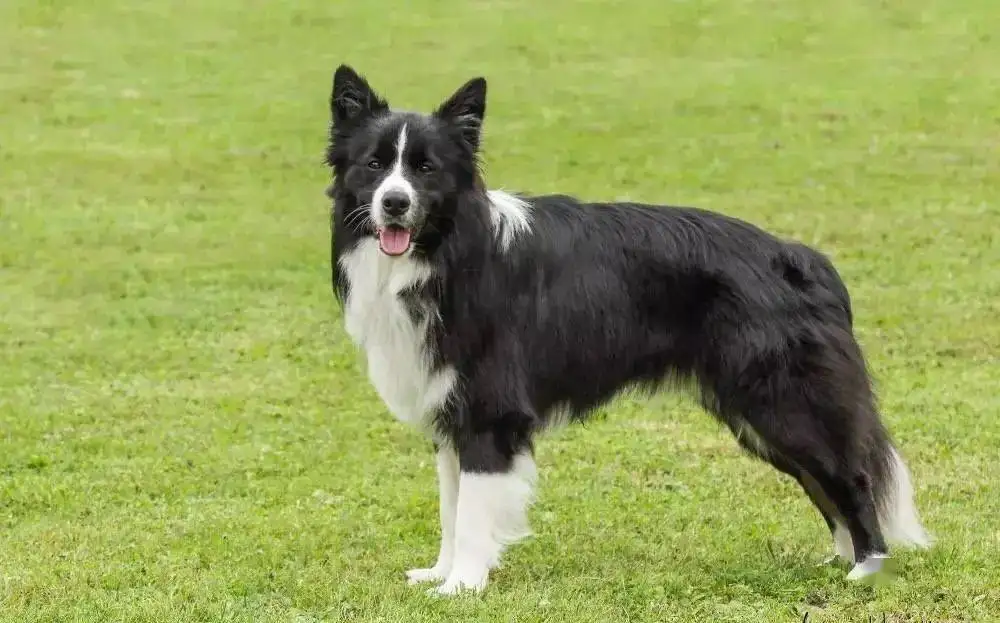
(395, 203)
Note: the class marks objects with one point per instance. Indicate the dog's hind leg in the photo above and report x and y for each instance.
(755, 445)
(809, 398)
(843, 546)
(831, 475)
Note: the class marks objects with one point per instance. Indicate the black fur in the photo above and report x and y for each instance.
(600, 297)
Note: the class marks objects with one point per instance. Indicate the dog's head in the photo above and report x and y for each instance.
(400, 172)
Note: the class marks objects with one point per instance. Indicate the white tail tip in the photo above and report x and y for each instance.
(897, 512)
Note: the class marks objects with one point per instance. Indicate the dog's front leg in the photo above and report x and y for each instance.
(493, 499)
(448, 479)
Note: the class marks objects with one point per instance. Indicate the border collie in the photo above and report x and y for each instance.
(486, 317)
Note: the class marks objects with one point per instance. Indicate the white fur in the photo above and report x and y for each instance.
(395, 346)
(395, 181)
(559, 416)
(843, 545)
(510, 217)
(897, 513)
(491, 514)
(448, 483)
(874, 564)
(747, 434)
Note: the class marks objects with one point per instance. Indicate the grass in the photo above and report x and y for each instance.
(186, 433)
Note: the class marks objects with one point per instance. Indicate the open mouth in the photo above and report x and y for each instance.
(393, 240)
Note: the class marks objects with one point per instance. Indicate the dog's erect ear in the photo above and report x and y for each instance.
(352, 99)
(466, 109)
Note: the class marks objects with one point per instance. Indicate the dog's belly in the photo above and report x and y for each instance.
(392, 336)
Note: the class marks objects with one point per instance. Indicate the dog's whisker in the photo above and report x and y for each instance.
(360, 216)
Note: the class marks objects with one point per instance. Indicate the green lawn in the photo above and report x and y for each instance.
(186, 433)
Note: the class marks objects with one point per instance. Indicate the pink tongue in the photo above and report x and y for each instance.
(393, 240)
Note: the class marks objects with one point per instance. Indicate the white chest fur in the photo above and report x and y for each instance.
(395, 344)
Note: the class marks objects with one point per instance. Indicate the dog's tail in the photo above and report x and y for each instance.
(894, 504)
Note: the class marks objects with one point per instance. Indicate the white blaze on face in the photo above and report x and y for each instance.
(393, 240)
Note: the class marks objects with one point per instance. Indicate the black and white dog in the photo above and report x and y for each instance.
(486, 317)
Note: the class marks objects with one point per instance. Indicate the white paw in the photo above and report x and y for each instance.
(876, 565)
(458, 583)
(418, 576)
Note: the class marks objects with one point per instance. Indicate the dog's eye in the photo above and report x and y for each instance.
(374, 164)
(425, 167)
